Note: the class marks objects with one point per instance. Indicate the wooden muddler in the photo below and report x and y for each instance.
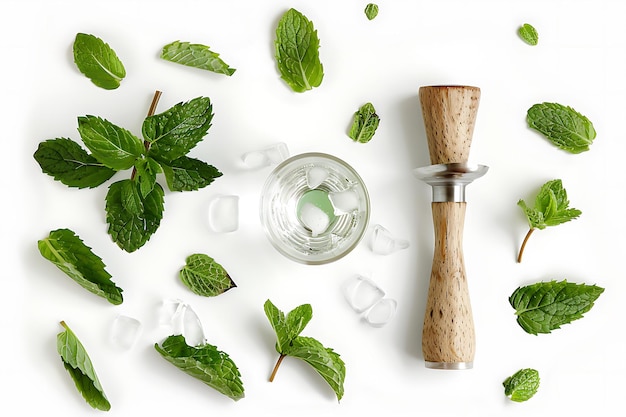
(449, 112)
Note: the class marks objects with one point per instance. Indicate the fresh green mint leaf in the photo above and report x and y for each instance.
(522, 385)
(146, 173)
(132, 218)
(69, 163)
(546, 306)
(528, 34)
(189, 174)
(69, 253)
(297, 52)
(206, 363)
(205, 277)
(112, 145)
(98, 62)
(371, 11)
(289, 343)
(365, 124)
(197, 56)
(173, 133)
(551, 208)
(562, 125)
(78, 364)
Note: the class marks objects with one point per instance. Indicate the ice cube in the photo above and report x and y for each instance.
(381, 312)
(344, 201)
(180, 318)
(224, 213)
(313, 218)
(316, 176)
(362, 293)
(271, 155)
(384, 243)
(125, 331)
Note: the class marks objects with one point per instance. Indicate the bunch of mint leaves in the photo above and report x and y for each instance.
(134, 206)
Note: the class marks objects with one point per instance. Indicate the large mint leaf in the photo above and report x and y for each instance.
(70, 164)
(189, 174)
(132, 219)
(112, 145)
(197, 56)
(546, 306)
(297, 52)
(98, 61)
(206, 363)
(205, 277)
(562, 125)
(78, 364)
(173, 133)
(67, 251)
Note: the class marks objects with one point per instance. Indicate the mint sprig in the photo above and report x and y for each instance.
(197, 56)
(325, 361)
(134, 207)
(563, 126)
(69, 253)
(546, 306)
(297, 52)
(78, 364)
(551, 208)
(98, 61)
(522, 385)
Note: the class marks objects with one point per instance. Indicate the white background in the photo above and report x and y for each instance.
(580, 61)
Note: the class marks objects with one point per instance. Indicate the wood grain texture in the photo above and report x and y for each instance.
(449, 117)
(448, 333)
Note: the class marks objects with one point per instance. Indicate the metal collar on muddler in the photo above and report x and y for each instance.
(448, 340)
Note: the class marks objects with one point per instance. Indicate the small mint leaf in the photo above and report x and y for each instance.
(189, 174)
(97, 61)
(522, 385)
(205, 277)
(197, 56)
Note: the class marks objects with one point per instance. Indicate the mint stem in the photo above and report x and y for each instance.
(521, 251)
(151, 111)
(278, 362)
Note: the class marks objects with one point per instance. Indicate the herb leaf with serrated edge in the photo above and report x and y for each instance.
(112, 145)
(297, 52)
(371, 11)
(69, 253)
(365, 123)
(522, 385)
(546, 306)
(562, 125)
(66, 161)
(188, 174)
(78, 364)
(206, 363)
(327, 363)
(528, 34)
(205, 277)
(551, 209)
(197, 56)
(97, 61)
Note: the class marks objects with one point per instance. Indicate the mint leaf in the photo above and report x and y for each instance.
(297, 52)
(70, 164)
(78, 364)
(132, 218)
(205, 277)
(522, 385)
(189, 174)
(197, 56)
(528, 34)
(206, 363)
(546, 306)
(173, 133)
(563, 126)
(551, 208)
(67, 251)
(146, 173)
(97, 61)
(371, 11)
(365, 124)
(112, 145)
(288, 327)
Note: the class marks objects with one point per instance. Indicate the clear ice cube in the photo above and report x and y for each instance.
(180, 318)
(362, 293)
(224, 213)
(314, 218)
(344, 201)
(271, 155)
(316, 176)
(125, 331)
(381, 312)
(384, 243)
